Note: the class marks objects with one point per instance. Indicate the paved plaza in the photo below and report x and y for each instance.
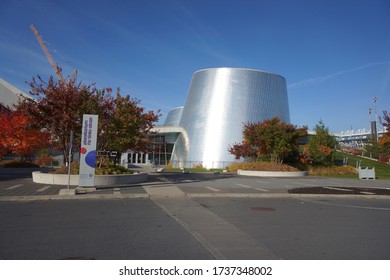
(195, 216)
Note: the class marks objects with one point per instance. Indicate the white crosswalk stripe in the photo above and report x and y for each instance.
(249, 187)
(14, 187)
(213, 189)
(43, 189)
(117, 191)
(263, 182)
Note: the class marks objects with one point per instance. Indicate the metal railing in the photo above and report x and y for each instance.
(200, 164)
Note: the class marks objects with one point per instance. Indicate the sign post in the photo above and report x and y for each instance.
(88, 151)
(70, 156)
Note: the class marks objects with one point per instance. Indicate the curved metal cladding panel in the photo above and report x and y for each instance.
(173, 117)
(219, 102)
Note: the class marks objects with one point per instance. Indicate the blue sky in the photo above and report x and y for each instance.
(334, 54)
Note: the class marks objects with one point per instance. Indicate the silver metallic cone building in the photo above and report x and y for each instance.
(219, 102)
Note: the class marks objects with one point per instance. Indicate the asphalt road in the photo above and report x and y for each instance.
(190, 184)
(195, 216)
(93, 229)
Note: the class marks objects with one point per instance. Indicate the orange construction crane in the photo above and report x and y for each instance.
(56, 69)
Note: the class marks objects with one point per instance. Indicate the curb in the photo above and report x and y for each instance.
(198, 195)
(71, 197)
(271, 173)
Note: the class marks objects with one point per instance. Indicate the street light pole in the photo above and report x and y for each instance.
(376, 118)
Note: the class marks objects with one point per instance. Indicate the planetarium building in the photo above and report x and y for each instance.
(218, 104)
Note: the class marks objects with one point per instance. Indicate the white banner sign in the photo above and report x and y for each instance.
(88, 151)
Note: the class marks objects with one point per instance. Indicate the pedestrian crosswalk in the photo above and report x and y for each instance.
(14, 187)
(25, 187)
(43, 189)
(191, 184)
(251, 187)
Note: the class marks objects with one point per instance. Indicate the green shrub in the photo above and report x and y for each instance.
(112, 169)
(109, 169)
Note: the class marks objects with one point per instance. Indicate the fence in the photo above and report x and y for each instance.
(200, 164)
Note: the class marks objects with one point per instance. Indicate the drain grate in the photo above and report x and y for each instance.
(259, 208)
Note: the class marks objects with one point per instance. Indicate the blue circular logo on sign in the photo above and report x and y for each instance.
(90, 159)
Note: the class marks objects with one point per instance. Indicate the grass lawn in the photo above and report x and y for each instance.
(382, 170)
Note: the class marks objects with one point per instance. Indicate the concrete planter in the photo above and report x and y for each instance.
(100, 180)
(271, 173)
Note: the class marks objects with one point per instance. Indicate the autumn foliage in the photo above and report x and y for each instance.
(18, 137)
(384, 141)
(271, 139)
(321, 146)
(58, 108)
(386, 122)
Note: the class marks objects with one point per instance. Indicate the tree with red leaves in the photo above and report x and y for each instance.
(273, 139)
(384, 141)
(59, 108)
(4, 121)
(3, 132)
(386, 121)
(126, 126)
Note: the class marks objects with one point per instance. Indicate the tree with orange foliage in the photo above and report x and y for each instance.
(18, 137)
(384, 145)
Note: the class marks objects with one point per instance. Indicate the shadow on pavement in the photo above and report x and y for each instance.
(340, 190)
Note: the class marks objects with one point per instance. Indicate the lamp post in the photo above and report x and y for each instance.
(369, 113)
(376, 118)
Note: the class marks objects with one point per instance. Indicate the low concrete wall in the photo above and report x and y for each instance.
(124, 179)
(100, 180)
(271, 173)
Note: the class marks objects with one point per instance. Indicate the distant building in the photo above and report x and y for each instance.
(9, 95)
